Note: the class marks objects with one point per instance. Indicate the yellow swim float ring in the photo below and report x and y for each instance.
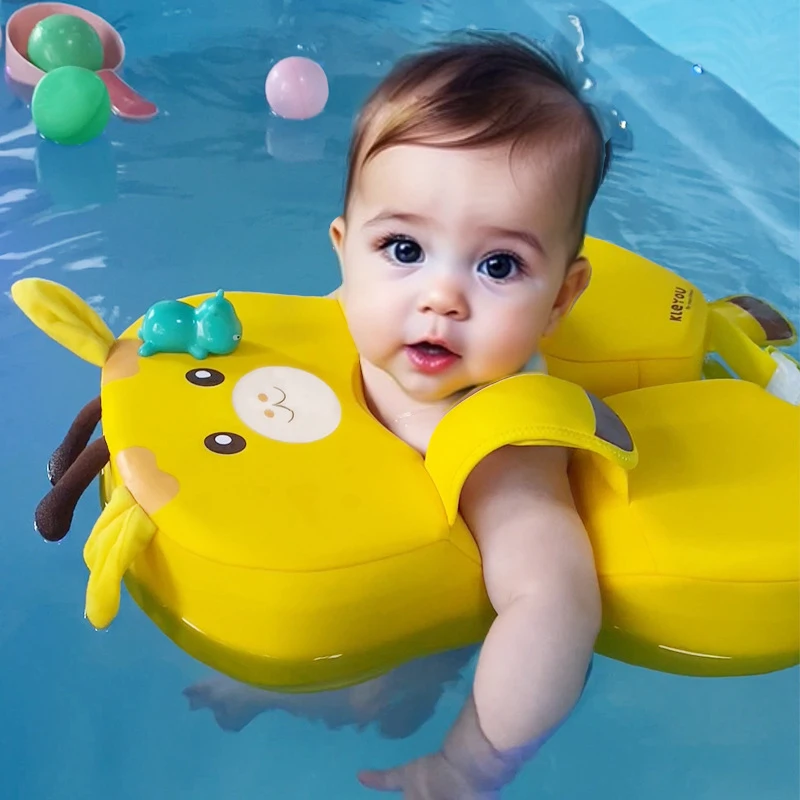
(273, 529)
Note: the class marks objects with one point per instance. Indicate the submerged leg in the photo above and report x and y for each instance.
(400, 702)
(54, 514)
(74, 442)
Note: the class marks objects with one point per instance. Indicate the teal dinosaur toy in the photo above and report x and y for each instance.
(172, 326)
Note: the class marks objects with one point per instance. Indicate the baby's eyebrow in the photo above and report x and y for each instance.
(396, 216)
(526, 237)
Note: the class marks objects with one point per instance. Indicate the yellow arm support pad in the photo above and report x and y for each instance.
(743, 356)
(119, 536)
(529, 409)
(64, 317)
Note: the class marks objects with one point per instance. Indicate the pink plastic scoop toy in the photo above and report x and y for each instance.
(125, 102)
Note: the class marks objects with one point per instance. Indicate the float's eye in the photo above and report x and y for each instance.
(205, 377)
(226, 444)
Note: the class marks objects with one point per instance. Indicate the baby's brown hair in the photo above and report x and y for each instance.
(481, 91)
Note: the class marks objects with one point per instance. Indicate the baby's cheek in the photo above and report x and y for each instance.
(369, 328)
(513, 347)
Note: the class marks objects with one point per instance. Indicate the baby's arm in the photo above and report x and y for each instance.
(540, 576)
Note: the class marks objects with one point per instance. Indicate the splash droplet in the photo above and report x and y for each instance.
(697, 69)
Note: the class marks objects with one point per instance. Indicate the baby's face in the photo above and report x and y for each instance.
(455, 263)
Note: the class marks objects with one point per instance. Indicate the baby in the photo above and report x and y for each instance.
(471, 173)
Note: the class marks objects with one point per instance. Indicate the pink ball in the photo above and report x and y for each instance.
(297, 88)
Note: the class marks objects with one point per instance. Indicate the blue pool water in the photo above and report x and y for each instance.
(744, 43)
(215, 192)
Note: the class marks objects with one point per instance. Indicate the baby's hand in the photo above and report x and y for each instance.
(466, 768)
(429, 778)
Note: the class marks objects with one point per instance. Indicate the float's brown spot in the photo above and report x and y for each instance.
(122, 362)
(262, 397)
(269, 413)
(151, 487)
(776, 327)
(608, 426)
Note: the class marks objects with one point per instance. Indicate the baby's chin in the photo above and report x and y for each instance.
(423, 389)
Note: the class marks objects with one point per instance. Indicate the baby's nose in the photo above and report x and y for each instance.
(445, 297)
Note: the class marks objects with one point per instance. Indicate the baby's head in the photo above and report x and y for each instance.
(470, 177)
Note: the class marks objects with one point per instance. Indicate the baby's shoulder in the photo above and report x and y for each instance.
(515, 481)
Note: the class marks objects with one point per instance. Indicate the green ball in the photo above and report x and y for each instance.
(62, 40)
(70, 105)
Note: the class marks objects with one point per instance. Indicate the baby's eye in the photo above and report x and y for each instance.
(404, 251)
(500, 266)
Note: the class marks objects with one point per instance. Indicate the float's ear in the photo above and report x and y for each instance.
(64, 317)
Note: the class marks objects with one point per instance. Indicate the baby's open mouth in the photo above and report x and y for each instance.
(431, 357)
(431, 349)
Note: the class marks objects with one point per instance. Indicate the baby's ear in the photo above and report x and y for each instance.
(337, 232)
(576, 279)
